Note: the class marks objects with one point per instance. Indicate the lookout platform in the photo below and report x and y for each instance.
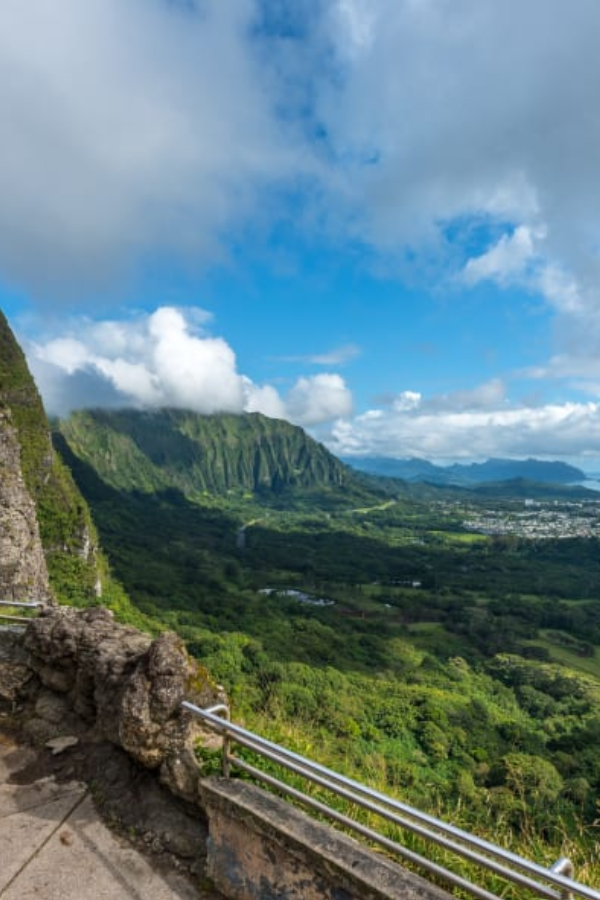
(54, 844)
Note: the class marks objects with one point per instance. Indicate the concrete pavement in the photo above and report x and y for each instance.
(54, 846)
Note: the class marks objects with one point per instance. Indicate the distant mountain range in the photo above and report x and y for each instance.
(468, 475)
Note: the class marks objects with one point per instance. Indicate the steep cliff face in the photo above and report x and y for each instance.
(23, 572)
(170, 448)
(40, 507)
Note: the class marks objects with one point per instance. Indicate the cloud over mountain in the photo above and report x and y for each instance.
(168, 358)
(447, 144)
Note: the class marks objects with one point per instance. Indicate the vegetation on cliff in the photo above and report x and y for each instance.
(200, 455)
(76, 568)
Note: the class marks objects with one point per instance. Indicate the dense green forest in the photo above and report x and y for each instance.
(372, 630)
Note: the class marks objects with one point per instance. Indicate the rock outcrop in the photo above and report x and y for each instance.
(23, 572)
(125, 687)
(15, 672)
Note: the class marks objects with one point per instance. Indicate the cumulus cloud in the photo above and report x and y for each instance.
(128, 128)
(477, 423)
(319, 399)
(265, 399)
(473, 109)
(547, 431)
(406, 401)
(162, 123)
(506, 260)
(167, 358)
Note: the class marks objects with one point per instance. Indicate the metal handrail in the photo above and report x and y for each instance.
(19, 604)
(554, 883)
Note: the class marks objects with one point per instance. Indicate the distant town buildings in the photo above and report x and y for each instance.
(538, 520)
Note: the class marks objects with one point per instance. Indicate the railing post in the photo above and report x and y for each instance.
(564, 866)
(225, 763)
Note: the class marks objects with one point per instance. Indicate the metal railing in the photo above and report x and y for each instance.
(18, 604)
(554, 883)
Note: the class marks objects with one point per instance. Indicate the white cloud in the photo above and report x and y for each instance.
(548, 431)
(166, 359)
(339, 356)
(448, 111)
(459, 123)
(470, 424)
(319, 398)
(518, 258)
(128, 128)
(490, 395)
(68, 353)
(162, 123)
(476, 111)
(406, 401)
(195, 372)
(507, 259)
(132, 131)
(563, 293)
(265, 399)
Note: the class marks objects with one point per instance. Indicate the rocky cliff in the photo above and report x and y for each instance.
(46, 532)
(23, 572)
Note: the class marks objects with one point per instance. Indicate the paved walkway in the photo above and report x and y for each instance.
(54, 846)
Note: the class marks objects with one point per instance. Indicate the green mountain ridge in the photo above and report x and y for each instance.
(250, 455)
(197, 454)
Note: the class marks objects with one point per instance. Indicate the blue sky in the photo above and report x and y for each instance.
(376, 218)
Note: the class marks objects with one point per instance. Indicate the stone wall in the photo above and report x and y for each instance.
(261, 848)
(83, 672)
